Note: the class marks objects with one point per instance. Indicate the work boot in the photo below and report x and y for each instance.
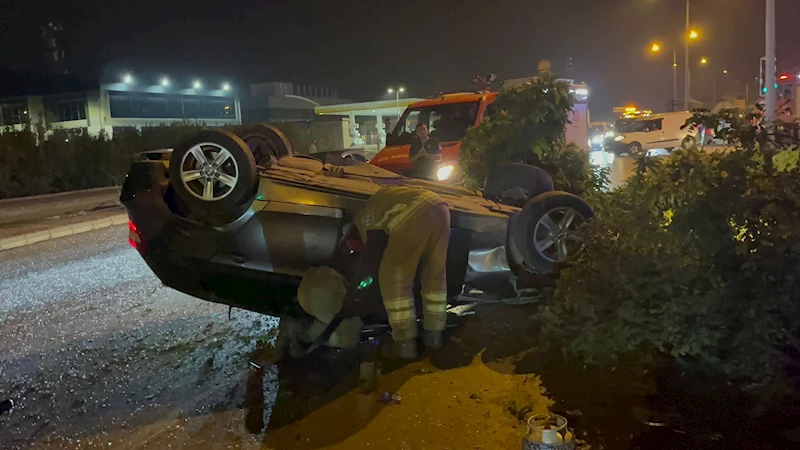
(432, 339)
(401, 349)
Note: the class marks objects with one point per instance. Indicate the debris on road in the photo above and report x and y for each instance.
(387, 398)
(6, 405)
(462, 310)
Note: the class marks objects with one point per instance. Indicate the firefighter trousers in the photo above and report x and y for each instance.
(420, 242)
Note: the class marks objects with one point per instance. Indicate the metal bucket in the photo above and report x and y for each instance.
(548, 432)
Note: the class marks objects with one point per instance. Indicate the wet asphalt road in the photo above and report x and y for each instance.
(94, 352)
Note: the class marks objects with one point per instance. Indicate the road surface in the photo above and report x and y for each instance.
(95, 353)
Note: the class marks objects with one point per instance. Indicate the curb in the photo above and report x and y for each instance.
(66, 230)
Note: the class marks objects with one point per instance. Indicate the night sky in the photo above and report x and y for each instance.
(362, 47)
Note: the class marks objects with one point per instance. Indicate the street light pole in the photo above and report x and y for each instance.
(397, 97)
(686, 89)
(769, 83)
(674, 79)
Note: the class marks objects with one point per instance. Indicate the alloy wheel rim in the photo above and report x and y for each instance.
(555, 236)
(209, 171)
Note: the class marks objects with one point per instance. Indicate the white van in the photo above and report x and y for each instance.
(656, 131)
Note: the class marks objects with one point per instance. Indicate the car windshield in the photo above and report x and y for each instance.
(632, 125)
(446, 123)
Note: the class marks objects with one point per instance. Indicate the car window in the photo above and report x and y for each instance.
(655, 125)
(447, 123)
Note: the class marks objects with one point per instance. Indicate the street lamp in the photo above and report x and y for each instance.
(165, 82)
(655, 48)
(127, 79)
(704, 62)
(689, 36)
(397, 97)
(197, 84)
(226, 87)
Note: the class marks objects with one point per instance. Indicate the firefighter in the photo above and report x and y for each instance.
(410, 228)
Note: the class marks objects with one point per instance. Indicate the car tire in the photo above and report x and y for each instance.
(213, 174)
(545, 236)
(688, 142)
(266, 142)
(635, 149)
(514, 184)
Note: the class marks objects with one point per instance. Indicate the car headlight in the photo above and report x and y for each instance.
(597, 139)
(619, 138)
(445, 171)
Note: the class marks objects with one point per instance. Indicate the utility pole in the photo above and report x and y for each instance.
(714, 88)
(674, 79)
(746, 94)
(769, 83)
(686, 81)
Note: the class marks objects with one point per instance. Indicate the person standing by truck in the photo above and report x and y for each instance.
(424, 154)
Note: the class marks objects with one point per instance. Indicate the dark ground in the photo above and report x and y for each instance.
(95, 353)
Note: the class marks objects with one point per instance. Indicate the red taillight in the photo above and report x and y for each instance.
(135, 237)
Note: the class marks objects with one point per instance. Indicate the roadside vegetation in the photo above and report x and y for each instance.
(689, 275)
(67, 161)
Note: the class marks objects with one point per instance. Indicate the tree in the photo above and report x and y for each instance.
(529, 127)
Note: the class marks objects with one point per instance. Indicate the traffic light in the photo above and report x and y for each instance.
(762, 85)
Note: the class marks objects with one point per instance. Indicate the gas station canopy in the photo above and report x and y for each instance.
(372, 109)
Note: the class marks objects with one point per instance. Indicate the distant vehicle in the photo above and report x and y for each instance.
(599, 132)
(657, 131)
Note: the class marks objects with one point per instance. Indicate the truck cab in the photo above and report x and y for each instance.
(448, 118)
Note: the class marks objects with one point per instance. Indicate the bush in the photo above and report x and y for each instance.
(68, 161)
(693, 261)
(529, 127)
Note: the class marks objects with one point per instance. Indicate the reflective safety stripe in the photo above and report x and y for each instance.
(436, 307)
(400, 315)
(435, 296)
(405, 302)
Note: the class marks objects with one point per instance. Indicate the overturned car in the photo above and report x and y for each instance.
(232, 216)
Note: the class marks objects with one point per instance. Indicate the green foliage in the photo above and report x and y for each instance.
(529, 127)
(694, 260)
(67, 161)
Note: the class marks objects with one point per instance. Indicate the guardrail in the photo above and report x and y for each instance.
(41, 206)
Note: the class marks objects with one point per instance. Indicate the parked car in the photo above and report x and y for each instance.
(211, 223)
(658, 131)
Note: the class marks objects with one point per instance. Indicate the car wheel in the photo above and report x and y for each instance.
(513, 184)
(635, 149)
(546, 234)
(688, 142)
(265, 141)
(214, 174)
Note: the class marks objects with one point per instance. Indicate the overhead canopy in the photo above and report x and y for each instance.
(381, 107)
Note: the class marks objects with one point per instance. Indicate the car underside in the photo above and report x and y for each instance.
(212, 223)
